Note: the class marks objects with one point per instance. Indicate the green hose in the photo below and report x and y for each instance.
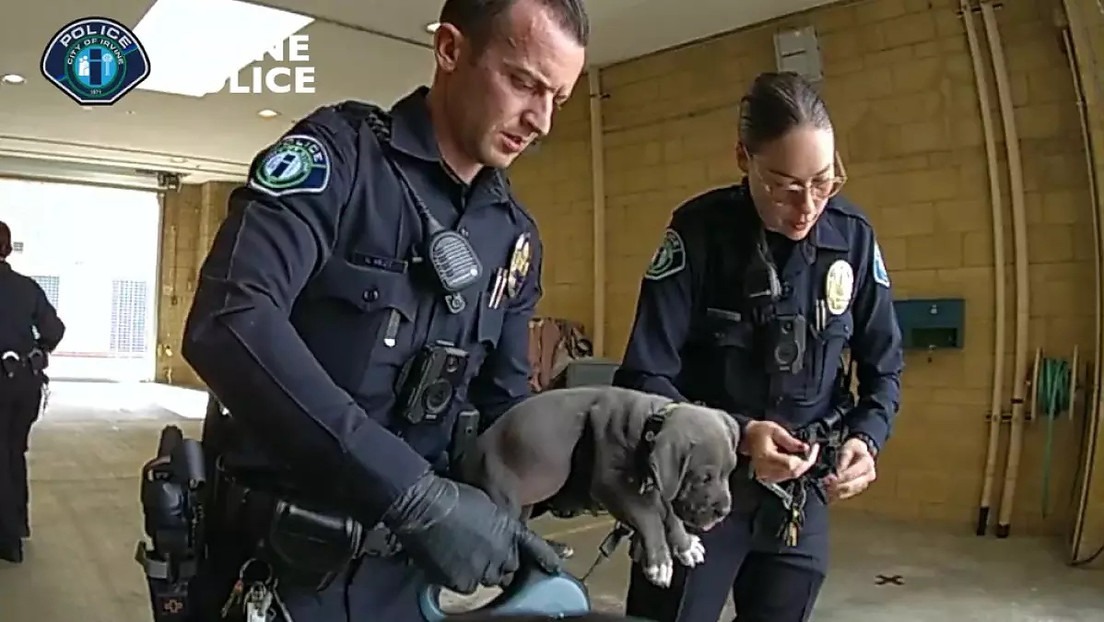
(1053, 398)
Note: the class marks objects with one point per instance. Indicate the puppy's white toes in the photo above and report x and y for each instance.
(693, 554)
(660, 574)
(697, 550)
(666, 573)
(687, 558)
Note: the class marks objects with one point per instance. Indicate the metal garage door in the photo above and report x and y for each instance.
(90, 237)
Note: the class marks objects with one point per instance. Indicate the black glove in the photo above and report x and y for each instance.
(460, 538)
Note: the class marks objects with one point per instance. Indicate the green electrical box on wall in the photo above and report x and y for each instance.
(931, 323)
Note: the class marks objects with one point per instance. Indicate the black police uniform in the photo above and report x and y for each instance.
(314, 299)
(703, 334)
(29, 327)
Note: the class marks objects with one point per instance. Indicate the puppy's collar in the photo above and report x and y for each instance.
(652, 425)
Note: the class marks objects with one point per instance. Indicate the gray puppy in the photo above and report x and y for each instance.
(600, 447)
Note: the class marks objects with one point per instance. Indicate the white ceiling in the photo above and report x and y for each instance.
(218, 134)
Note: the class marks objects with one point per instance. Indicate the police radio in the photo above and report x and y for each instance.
(452, 258)
(450, 254)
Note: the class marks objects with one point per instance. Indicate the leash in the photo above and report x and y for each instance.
(608, 547)
(652, 426)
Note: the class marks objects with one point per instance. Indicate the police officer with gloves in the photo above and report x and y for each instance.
(747, 306)
(29, 331)
(373, 278)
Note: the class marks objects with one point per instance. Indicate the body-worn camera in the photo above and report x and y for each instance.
(428, 384)
(786, 343)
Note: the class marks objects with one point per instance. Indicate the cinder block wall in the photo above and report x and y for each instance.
(901, 90)
(191, 219)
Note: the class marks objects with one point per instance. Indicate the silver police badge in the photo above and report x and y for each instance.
(519, 265)
(838, 286)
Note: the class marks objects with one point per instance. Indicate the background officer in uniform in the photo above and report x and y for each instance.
(29, 330)
(318, 293)
(747, 306)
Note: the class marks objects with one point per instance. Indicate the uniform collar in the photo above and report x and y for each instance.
(411, 128)
(412, 134)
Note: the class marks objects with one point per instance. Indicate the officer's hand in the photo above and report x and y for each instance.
(460, 538)
(776, 456)
(855, 471)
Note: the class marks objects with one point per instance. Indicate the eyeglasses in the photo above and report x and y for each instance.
(794, 191)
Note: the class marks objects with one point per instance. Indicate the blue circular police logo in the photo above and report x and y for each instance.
(95, 61)
(297, 164)
(287, 166)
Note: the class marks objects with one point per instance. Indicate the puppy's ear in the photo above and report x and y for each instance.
(669, 462)
(733, 430)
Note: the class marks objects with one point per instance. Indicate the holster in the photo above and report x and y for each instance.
(171, 495)
(38, 360)
(304, 543)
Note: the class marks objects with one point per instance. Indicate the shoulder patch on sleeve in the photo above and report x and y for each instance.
(881, 275)
(669, 258)
(297, 164)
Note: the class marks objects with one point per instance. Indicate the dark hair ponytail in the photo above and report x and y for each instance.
(776, 104)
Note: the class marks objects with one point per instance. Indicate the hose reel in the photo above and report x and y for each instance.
(1053, 392)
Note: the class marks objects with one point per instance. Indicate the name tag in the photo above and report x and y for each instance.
(379, 263)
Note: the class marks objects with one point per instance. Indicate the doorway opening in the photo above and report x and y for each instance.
(94, 251)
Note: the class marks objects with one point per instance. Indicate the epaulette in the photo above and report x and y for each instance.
(843, 207)
(709, 200)
(378, 119)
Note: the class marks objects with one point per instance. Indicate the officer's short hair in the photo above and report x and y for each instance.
(479, 19)
(5, 240)
(777, 103)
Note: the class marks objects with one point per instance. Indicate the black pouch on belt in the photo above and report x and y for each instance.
(11, 364)
(308, 547)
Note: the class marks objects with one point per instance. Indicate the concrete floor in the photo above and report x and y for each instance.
(88, 448)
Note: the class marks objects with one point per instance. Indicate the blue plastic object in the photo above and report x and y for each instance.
(532, 592)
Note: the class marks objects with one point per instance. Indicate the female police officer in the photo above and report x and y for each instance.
(747, 306)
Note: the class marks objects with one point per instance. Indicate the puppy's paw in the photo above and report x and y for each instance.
(661, 574)
(693, 554)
